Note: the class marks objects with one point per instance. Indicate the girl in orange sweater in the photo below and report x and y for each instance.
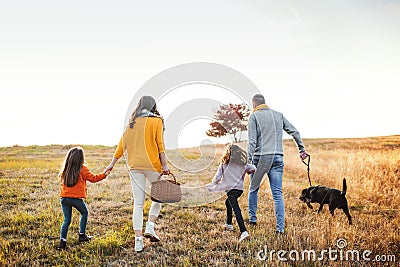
(73, 177)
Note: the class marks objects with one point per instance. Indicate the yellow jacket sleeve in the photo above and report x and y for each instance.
(120, 148)
(160, 136)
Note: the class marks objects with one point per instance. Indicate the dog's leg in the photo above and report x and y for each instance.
(332, 210)
(320, 207)
(332, 206)
(346, 211)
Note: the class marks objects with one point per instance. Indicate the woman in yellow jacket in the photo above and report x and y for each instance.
(143, 142)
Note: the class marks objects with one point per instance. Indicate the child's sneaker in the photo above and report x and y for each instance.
(62, 245)
(150, 233)
(243, 236)
(84, 238)
(228, 227)
(139, 244)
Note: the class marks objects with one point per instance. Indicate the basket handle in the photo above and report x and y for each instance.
(170, 173)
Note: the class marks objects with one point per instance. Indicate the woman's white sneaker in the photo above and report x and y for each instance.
(150, 233)
(139, 244)
(243, 236)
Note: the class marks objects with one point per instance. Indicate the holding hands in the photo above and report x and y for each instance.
(110, 167)
(165, 169)
(251, 169)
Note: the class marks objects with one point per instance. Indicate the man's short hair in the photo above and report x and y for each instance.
(258, 99)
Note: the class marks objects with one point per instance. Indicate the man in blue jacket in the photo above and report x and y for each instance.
(265, 150)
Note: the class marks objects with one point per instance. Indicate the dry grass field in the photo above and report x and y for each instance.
(31, 216)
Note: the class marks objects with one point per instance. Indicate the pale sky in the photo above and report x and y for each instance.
(69, 69)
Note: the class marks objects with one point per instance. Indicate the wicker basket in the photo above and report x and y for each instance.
(166, 191)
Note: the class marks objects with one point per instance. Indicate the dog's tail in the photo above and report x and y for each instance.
(344, 187)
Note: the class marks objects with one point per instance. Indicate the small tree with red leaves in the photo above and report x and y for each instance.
(230, 119)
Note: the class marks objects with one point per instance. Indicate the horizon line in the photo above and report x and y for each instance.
(222, 143)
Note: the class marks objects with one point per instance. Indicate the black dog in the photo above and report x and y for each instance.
(324, 195)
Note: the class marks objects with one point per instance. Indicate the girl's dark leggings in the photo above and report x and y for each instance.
(231, 203)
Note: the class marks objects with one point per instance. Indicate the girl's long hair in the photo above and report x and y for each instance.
(72, 166)
(146, 102)
(234, 154)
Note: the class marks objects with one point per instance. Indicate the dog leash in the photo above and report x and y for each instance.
(308, 168)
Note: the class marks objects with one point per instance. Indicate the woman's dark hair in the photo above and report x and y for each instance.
(234, 154)
(145, 102)
(72, 166)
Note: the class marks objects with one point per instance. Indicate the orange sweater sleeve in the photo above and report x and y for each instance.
(90, 176)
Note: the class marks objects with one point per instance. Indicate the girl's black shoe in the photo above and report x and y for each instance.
(62, 245)
(84, 238)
